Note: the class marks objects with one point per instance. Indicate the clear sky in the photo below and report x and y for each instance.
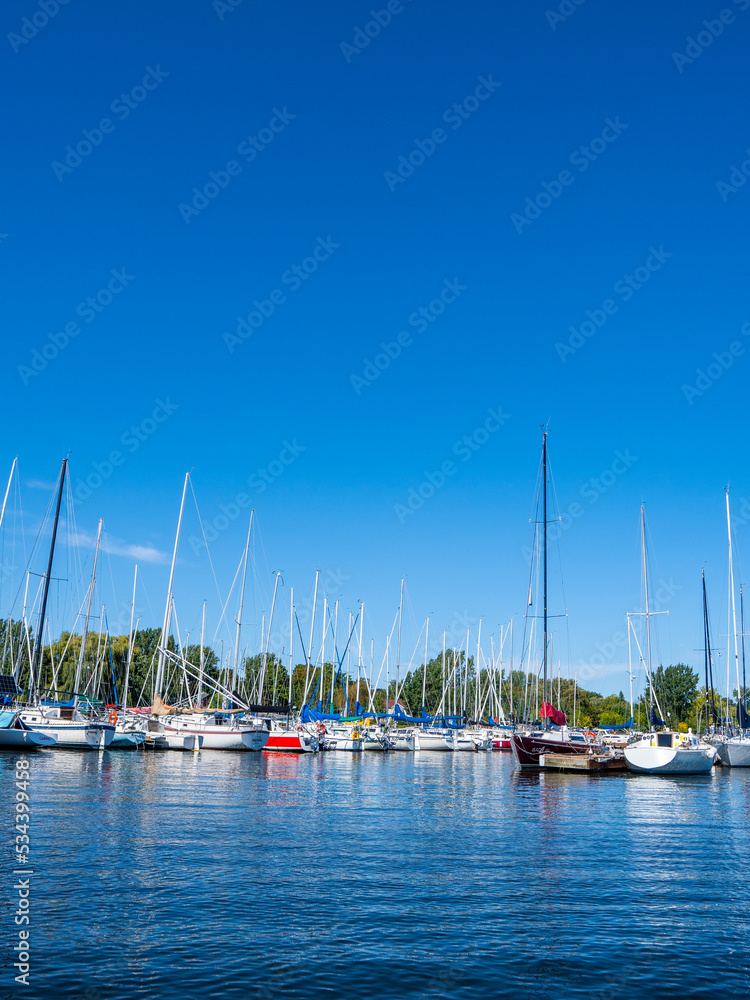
(325, 254)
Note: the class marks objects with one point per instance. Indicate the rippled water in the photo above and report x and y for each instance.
(399, 875)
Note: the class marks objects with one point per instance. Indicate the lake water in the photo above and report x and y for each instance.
(399, 875)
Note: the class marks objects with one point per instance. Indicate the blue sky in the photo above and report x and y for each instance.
(556, 169)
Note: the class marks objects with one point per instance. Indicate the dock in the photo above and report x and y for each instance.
(581, 762)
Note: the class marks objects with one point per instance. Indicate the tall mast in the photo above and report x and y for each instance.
(648, 612)
(33, 680)
(424, 671)
(707, 653)
(168, 607)
(312, 632)
(359, 654)
(268, 640)
(82, 654)
(201, 661)
(130, 642)
(734, 612)
(242, 604)
(291, 644)
(544, 554)
(742, 633)
(7, 490)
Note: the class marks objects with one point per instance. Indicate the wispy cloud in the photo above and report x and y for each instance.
(117, 547)
(39, 484)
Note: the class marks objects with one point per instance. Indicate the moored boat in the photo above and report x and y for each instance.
(670, 753)
(528, 747)
(15, 734)
(215, 733)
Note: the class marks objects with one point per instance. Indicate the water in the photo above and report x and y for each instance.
(399, 875)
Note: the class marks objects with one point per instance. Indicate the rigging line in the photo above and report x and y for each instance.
(41, 531)
(208, 553)
(226, 603)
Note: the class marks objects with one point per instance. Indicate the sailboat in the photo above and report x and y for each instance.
(527, 748)
(665, 751)
(734, 751)
(71, 729)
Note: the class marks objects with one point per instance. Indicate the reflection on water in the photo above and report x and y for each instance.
(408, 875)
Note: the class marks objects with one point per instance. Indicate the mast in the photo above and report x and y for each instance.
(707, 653)
(544, 555)
(242, 604)
(33, 693)
(734, 613)
(742, 633)
(291, 644)
(168, 607)
(82, 654)
(477, 673)
(268, 640)
(7, 490)
(648, 613)
(312, 632)
(359, 654)
(398, 644)
(130, 642)
(424, 671)
(201, 660)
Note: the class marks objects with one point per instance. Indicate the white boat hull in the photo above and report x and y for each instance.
(666, 760)
(71, 735)
(436, 742)
(339, 743)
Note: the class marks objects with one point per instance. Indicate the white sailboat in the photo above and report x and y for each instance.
(70, 728)
(734, 751)
(664, 752)
(670, 753)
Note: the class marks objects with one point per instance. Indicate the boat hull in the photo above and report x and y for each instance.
(25, 739)
(735, 753)
(71, 735)
(528, 748)
(667, 760)
(290, 741)
(436, 742)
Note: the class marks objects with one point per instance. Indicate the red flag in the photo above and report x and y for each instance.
(549, 712)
